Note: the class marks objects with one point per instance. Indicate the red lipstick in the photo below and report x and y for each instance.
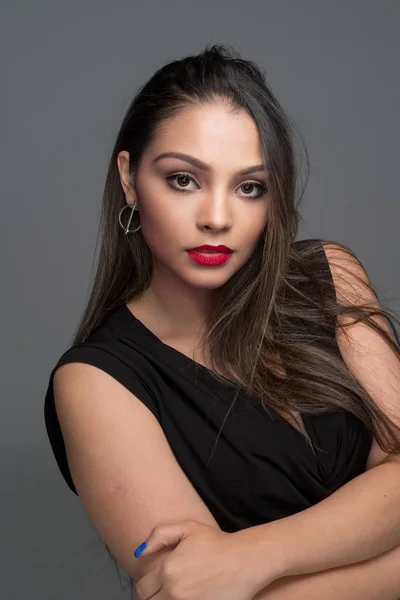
(210, 255)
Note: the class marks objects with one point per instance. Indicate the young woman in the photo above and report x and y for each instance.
(232, 395)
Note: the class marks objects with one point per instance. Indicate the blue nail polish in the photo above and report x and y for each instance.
(139, 550)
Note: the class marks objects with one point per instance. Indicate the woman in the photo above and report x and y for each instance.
(217, 393)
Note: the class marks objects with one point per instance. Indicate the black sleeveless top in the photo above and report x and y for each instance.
(262, 468)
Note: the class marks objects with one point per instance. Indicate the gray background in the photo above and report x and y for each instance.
(69, 70)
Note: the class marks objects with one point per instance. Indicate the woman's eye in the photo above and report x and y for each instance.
(184, 178)
(253, 184)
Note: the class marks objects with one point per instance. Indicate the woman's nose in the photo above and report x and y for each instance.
(215, 213)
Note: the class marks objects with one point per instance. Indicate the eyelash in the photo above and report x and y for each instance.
(262, 187)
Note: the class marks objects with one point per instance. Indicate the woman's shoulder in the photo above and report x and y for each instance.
(329, 257)
(335, 252)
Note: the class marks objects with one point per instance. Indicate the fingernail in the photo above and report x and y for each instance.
(139, 550)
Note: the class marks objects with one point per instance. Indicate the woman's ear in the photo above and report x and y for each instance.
(125, 177)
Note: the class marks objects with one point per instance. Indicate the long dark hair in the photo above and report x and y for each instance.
(250, 335)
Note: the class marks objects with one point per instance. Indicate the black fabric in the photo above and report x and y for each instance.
(262, 468)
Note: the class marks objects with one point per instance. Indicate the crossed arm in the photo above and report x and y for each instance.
(376, 575)
(374, 579)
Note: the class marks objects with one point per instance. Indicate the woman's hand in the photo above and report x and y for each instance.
(207, 564)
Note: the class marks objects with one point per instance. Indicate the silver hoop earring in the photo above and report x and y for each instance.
(126, 229)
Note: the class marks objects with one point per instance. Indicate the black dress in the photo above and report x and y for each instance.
(262, 468)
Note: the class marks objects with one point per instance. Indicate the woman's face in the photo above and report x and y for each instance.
(182, 205)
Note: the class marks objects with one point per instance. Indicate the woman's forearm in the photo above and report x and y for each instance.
(359, 521)
(375, 579)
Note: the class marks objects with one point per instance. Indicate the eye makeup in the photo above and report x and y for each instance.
(262, 188)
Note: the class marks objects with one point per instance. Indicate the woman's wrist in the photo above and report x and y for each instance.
(262, 554)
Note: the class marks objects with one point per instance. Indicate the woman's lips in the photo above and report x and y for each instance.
(208, 258)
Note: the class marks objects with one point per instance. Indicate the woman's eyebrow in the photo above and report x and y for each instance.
(202, 165)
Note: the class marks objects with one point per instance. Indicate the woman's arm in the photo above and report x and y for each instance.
(374, 579)
(359, 521)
